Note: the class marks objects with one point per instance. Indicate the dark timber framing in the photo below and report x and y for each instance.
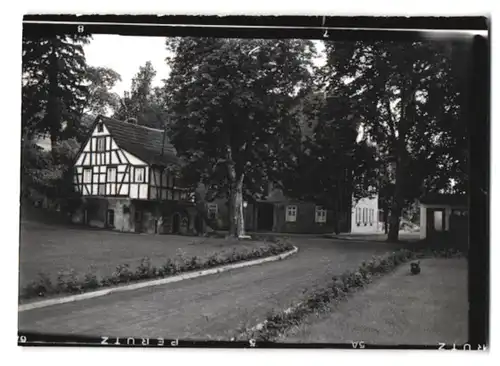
(101, 157)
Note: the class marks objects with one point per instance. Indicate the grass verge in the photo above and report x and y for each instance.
(69, 282)
(278, 322)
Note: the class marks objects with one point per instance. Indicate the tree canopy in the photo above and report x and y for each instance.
(100, 99)
(333, 165)
(144, 102)
(54, 93)
(406, 97)
(231, 103)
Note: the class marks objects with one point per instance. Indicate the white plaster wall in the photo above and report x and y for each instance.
(368, 203)
(132, 159)
(423, 217)
(143, 191)
(423, 221)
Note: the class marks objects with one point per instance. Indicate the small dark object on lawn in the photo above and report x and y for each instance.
(415, 268)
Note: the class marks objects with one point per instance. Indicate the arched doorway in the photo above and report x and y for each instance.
(176, 223)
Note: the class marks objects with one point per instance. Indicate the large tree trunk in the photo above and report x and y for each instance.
(397, 204)
(386, 218)
(232, 213)
(394, 221)
(408, 90)
(240, 221)
(236, 218)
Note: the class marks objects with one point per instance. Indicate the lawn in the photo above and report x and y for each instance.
(50, 249)
(398, 308)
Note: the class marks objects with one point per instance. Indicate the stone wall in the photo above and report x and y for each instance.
(96, 211)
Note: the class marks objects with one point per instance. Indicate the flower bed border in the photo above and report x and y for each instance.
(280, 321)
(69, 283)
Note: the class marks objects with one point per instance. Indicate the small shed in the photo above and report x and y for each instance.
(444, 213)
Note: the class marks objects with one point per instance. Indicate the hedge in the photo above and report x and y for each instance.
(279, 321)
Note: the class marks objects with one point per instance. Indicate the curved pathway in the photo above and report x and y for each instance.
(212, 307)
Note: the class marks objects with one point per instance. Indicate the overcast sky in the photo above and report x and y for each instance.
(125, 54)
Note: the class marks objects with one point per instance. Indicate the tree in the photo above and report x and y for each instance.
(332, 164)
(406, 95)
(144, 102)
(231, 104)
(100, 98)
(48, 175)
(54, 69)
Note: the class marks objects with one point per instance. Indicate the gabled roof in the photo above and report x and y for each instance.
(148, 144)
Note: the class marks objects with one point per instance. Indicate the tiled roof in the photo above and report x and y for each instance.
(144, 142)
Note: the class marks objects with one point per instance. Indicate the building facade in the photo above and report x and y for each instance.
(126, 175)
(277, 213)
(442, 214)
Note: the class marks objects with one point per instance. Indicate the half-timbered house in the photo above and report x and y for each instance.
(126, 175)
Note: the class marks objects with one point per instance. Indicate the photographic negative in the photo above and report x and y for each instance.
(254, 182)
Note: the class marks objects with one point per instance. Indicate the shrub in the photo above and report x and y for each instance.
(340, 285)
(213, 260)
(122, 274)
(90, 281)
(145, 270)
(193, 263)
(167, 268)
(39, 287)
(67, 281)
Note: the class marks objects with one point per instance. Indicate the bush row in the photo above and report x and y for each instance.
(68, 282)
(279, 321)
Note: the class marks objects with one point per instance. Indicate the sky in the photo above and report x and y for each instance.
(125, 54)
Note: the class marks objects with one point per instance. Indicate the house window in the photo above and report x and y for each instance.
(101, 189)
(87, 175)
(371, 216)
(110, 218)
(291, 213)
(212, 210)
(139, 175)
(111, 175)
(100, 127)
(320, 215)
(101, 143)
